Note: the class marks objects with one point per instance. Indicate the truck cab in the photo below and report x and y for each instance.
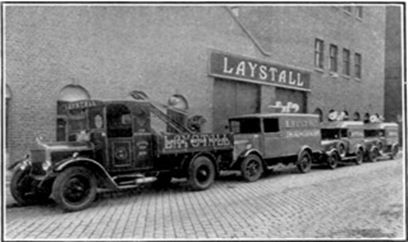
(114, 145)
(346, 138)
(267, 141)
(381, 139)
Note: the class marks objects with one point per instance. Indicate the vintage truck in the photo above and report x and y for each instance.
(267, 141)
(112, 145)
(343, 141)
(381, 139)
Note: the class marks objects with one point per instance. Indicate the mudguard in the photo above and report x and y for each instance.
(21, 164)
(100, 172)
(245, 154)
(185, 162)
(304, 148)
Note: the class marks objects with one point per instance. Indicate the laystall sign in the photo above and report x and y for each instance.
(239, 68)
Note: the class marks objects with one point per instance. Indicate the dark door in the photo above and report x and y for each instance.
(120, 137)
(232, 98)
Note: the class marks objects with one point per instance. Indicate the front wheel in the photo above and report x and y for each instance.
(305, 162)
(373, 155)
(25, 191)
(332, 161)
(74, 189)
(201, 173)
(251, 168)
(359, 157)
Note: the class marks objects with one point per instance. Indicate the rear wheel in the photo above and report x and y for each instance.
(251, 168)
(74, 189)
(305, 162)
(332, 161)
(359, 157)
(373, 155)
(25, 190)
(201, 173)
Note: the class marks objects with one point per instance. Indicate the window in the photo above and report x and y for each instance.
(356, 116)
(319, 112)
(119, 121)
(357, 65)
(246, 126)
(271, 125)
(346, 62)
(359, 12)
(333, 58)
(319, 53)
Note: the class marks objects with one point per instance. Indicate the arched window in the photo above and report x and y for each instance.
(69, 93)
(345, 115)
(356, 116)
(319, 112)
(366, 118)
(178, 106)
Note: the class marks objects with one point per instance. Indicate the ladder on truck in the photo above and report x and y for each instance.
(154, 107)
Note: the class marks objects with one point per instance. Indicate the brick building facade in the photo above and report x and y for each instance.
(59, 53)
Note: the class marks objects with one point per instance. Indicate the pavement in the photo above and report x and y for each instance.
(365, 201)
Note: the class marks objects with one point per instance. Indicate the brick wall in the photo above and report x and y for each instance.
(110, 50)
(289, 36)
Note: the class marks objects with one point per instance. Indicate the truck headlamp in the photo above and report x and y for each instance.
(46, 165)
(248, 146)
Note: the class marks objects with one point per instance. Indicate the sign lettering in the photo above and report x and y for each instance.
(246, 69)
(187, 141)
(83, 104)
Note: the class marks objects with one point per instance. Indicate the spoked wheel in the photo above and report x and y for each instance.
(373, 155)
(251, 168)
(332, 161)
(305, 162)
(25, 191)
(359, 157)
(74, 189)
(201, 173)
(394, 151)
(342, 150)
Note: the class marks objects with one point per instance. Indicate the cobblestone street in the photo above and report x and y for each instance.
(365, 201)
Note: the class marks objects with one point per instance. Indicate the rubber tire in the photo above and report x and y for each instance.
(201, 166)
(256, 174)
(342, 150)
(373, 155)
(359, 157)
(335, 158)
(300, 164)
(67, 176)
(24, 189)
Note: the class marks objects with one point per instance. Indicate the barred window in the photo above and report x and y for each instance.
(357, 65)
(319, 53)
(346, 62)
(333, 58)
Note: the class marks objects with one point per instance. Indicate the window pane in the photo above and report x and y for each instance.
(319, 53)
(333, 58)
(358, 65)
(346, 62)
(271, 125)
